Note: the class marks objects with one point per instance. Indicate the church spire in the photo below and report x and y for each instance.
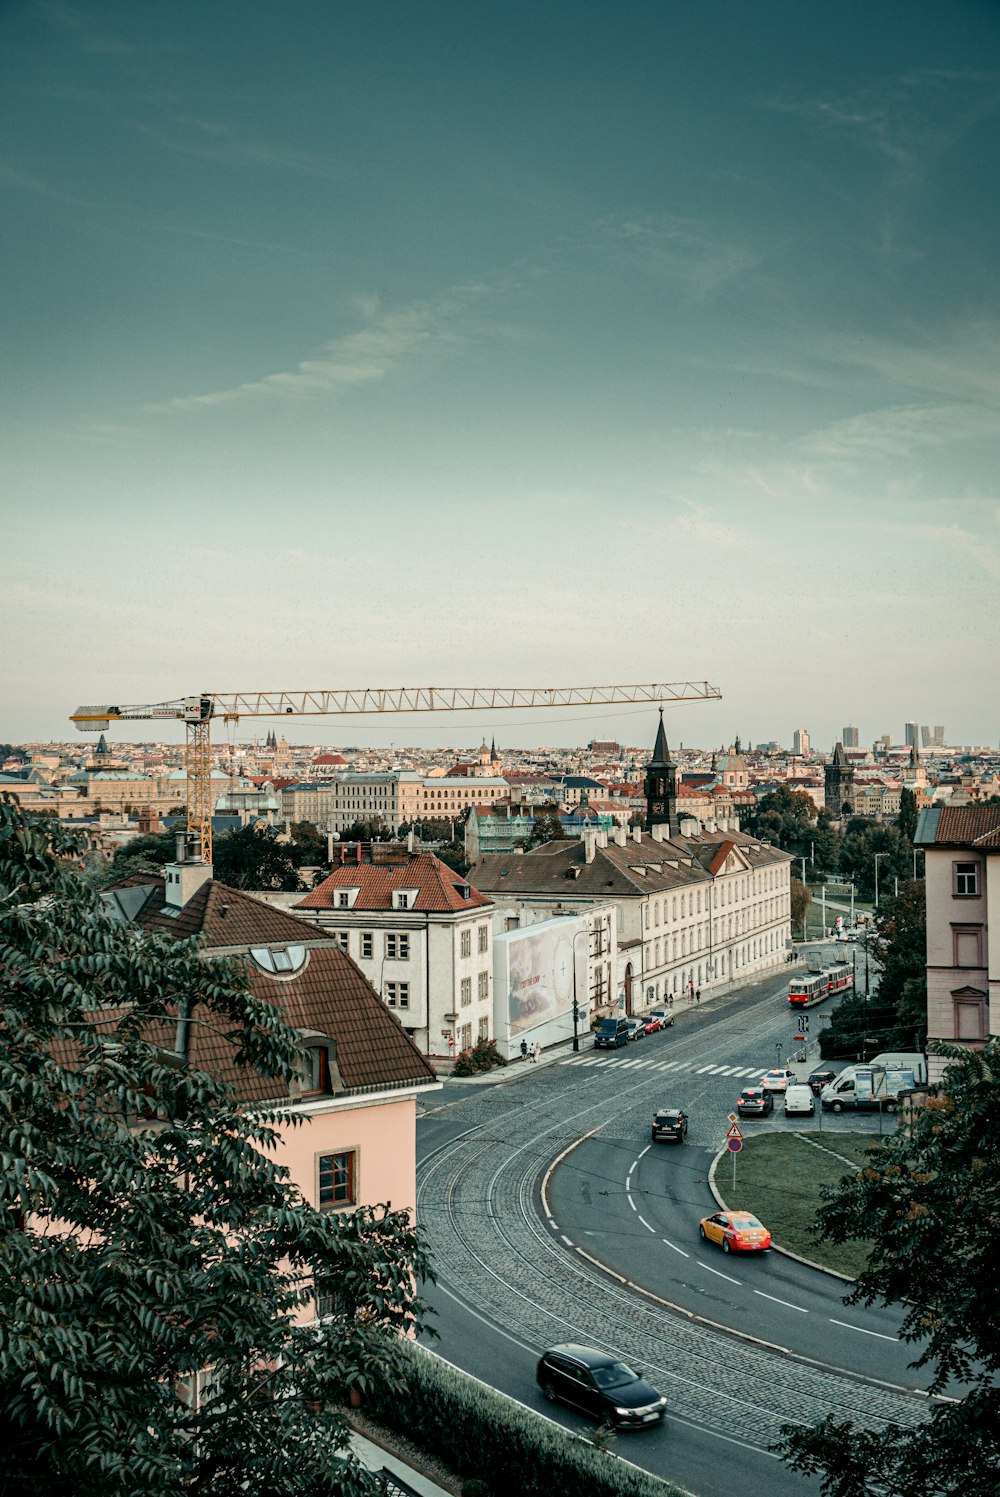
(661, 785)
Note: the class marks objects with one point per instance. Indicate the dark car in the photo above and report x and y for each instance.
(600, 1386)
(818, 1080)
(670, 1125)
(754, 1102)
(611, 1034)
(636, 1029)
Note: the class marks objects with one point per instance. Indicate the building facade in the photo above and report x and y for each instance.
(423, 937)
(962, 881)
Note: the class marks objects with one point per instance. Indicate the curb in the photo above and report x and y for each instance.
(775, 1247)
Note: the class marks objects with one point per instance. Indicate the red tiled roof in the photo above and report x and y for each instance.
(436, 884)
(718, 861)
(977, 826)
(330, 759)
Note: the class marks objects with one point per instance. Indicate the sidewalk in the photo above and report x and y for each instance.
(399, 1479)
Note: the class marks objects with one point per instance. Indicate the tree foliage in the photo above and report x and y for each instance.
(147, 1231)
(799, 900)
(787, 818)
(546, 829)
(252, 858)
(907, 821)
(894, 1014)
(862, 840)
(929, 1201)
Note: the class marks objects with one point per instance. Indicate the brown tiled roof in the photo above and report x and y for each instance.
(977, 826)
(225, 917)
(328, 993)
(437, 886)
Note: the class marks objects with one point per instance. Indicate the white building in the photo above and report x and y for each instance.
(422, 935)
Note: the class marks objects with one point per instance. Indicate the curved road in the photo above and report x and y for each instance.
(514, 1278)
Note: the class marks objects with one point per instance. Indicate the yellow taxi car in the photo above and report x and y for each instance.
(735, 1232)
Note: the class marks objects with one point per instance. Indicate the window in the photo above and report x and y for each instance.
(342, 939)
(965, 880)
(484, 938)
(402, 901)
(397, 994)
(367, 943)
(343, 900)
(337, 1179)
(397, 948)
(484, 985)
(484, 1029)
(466, 943)
(512, 922)
(466, 991)
(968, 943)
(969, 1014)
(316, 1070)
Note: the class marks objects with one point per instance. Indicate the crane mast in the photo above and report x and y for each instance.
(196, 712)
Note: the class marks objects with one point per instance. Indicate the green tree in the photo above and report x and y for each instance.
(894, 1014)
(308, 845)
(252, 859)
(546, 829)
(907, 821)
(370, 829)
(862, 840)
(787, 818)
(146, 1231)
(934, 1188)
(799, 900)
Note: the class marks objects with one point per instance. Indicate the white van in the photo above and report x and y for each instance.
(799, 1100)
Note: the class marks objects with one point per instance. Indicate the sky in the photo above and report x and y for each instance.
(523, 344)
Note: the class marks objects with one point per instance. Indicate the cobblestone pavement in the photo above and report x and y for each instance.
(478, 1203)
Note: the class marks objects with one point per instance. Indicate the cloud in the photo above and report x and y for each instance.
(894, 432)
(680, 249)
(707, 531)
(364, 357)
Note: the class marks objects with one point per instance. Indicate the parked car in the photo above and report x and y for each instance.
(651, 1022)
(754, 1102)
(600, 1386)
(665, 1017)
(636, 1029)
(776, 1080)
(611, 1033)
(735, 1232)
(670, 1125)
(818, 1079)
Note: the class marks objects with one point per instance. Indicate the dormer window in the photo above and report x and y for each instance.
(404, 899)
(284, 961)
(318, 1071)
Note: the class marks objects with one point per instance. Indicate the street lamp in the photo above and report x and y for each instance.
(576, 1006)
(877, 856)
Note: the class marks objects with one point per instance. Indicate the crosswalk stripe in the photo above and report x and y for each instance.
(702, 1069)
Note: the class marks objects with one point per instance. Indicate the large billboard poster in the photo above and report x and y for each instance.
(534, 974)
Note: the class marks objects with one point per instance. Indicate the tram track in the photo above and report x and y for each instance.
(496, 1253)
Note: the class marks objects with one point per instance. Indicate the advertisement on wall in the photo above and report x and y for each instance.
(533, 978)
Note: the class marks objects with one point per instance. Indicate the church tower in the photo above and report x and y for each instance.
(838, 787)
(661, 786)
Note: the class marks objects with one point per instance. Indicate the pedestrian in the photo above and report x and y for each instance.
(697, 996)
(536, 1052)
(524, 1049)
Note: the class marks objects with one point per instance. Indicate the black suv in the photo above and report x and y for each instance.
(754, 1102)
(670, 1125)
(598, 1384)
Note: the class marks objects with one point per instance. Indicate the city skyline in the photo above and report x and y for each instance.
(507, 347)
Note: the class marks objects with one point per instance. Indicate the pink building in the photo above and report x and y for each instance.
(962, 861)
(361, 1073)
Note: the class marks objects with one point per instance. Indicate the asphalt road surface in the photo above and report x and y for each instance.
(538, 1237)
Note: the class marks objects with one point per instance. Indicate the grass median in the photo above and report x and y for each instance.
(780, 1177)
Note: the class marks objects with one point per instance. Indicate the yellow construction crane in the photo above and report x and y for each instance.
(197, 712)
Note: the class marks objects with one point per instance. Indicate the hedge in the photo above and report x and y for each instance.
(481, 1433)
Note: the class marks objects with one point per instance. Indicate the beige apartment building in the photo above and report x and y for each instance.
(392, 796)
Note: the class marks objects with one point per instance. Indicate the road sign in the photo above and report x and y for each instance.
(732, 1117)
(800, 1038)
(734, 1145)
(734, 1132)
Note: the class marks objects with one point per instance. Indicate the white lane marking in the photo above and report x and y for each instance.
(702, 1069)
(632, 1204)
(862, 1330)
(641, 1152)
(727, 1070)
(720, 1275)
(646, 1223)
(675, 1247)
(775, 1301)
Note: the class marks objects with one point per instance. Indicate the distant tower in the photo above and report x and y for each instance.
(911, 734)
(661, 786)
(838, 786)
(800, 743)
(849, 736)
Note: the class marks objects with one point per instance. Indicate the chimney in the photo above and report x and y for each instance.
(409, 841)
(329, 847)
(621, 836)
(589, 844)
(658, 832)
(637, 834)
(602, 837)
